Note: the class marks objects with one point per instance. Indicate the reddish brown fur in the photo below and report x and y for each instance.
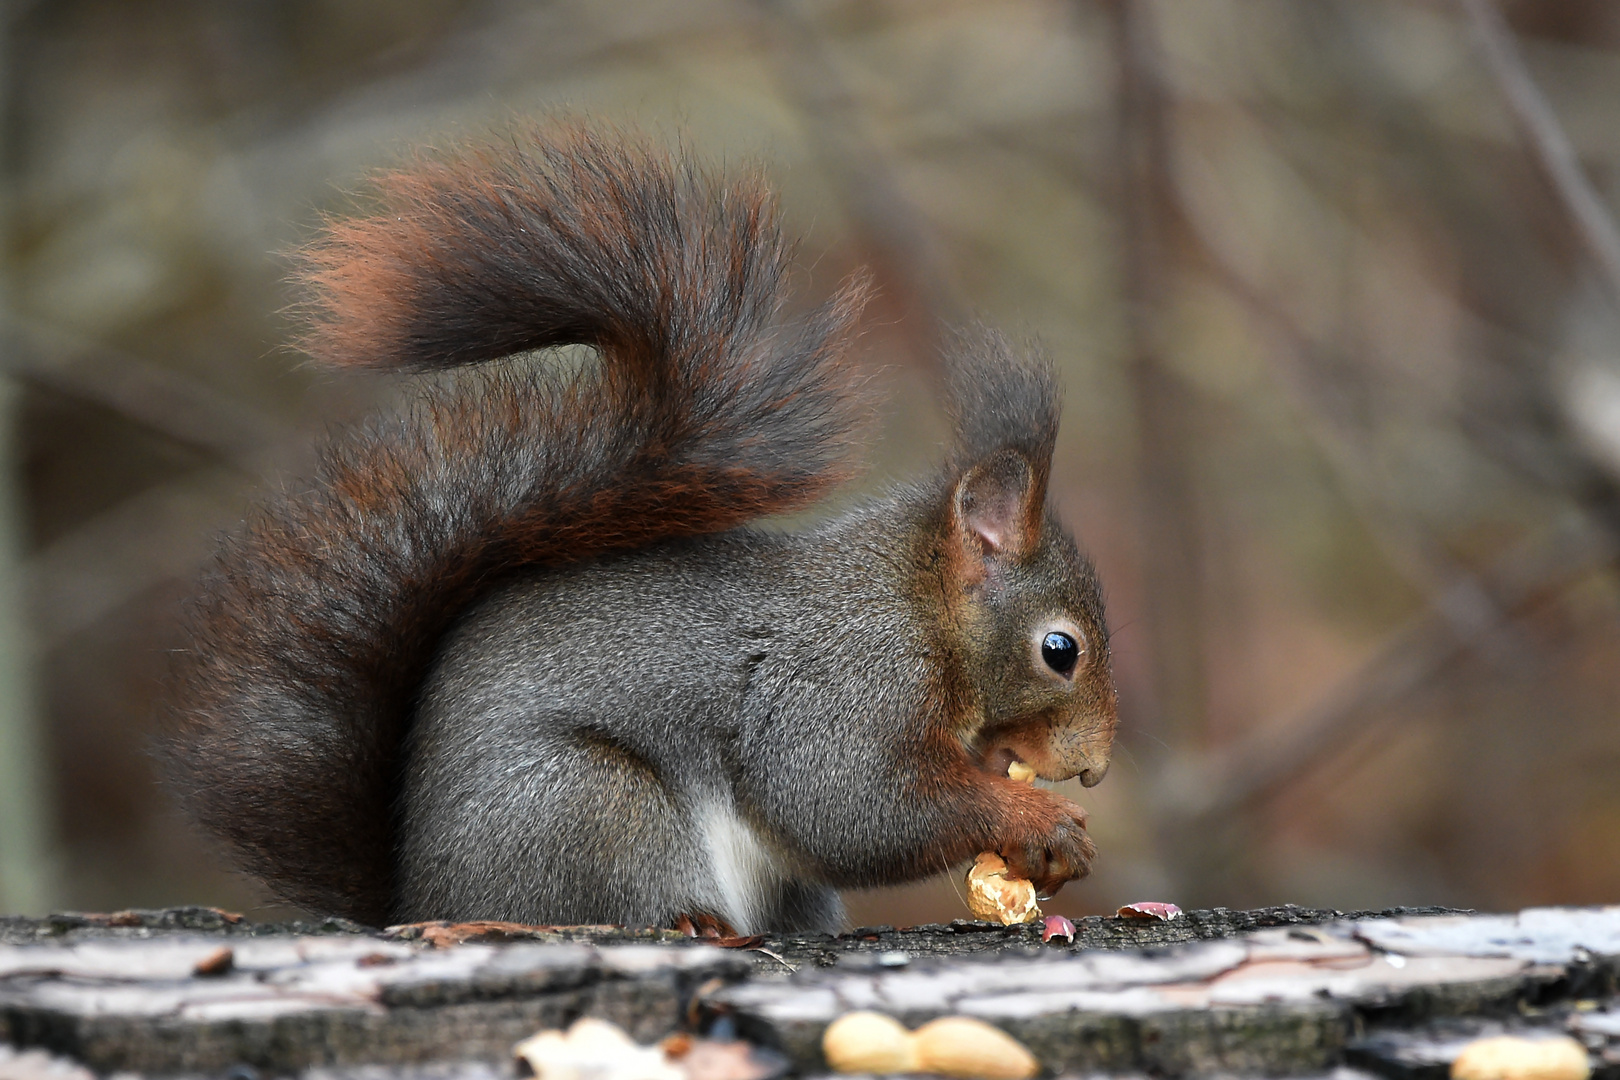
(706, 411)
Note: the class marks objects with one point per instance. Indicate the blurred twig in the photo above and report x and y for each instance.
(1361, 703)
(155, 397)
(1453, 589)
(898, 236)
(161, 534)
(1539, 125)
(27, 823)
(1598, 485)
(1465, 611)
(154, 535)
(1170, 524)
(1468, 611)
(1530, 431)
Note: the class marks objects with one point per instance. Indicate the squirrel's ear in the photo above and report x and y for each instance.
(998, 507)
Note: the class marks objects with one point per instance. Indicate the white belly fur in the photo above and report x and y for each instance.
(744, 872)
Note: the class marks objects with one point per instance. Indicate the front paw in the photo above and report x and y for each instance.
(1059, 852)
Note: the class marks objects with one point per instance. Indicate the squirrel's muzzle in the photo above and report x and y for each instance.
(1057, 748)
(1082, 742)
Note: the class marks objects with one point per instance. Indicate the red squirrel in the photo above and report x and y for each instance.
(520, 651)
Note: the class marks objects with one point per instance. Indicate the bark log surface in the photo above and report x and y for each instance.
(1272, 992)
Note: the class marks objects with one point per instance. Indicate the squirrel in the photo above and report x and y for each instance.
(520, 649)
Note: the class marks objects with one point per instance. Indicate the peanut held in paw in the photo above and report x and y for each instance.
(995, 897)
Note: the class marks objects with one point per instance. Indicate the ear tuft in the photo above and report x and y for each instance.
(995, 506)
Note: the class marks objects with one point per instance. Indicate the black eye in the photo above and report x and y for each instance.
(1060, 652)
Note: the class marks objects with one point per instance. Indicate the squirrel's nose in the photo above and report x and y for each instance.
(1093, 776)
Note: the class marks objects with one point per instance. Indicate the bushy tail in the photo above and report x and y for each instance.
(706, 409)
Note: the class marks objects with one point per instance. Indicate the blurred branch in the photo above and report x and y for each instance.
(898, 235)
(155, 535)
(27, 821)
(1551, 145)
(1598, 485)
(1465, 611)
(152, 396)
(1533, 436)
(1452, 589)
(1170, 525)
(1410, 548)
(158, 534)
(161, 534)
(1281, 753)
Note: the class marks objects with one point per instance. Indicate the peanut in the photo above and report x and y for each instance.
(995, 897)
(1509, 1058)
(957, 1046)
(869, 1042)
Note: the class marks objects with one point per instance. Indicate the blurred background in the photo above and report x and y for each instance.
(1334, 286)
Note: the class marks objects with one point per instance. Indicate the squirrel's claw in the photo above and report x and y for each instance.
(1058, 856)
(704, 925)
